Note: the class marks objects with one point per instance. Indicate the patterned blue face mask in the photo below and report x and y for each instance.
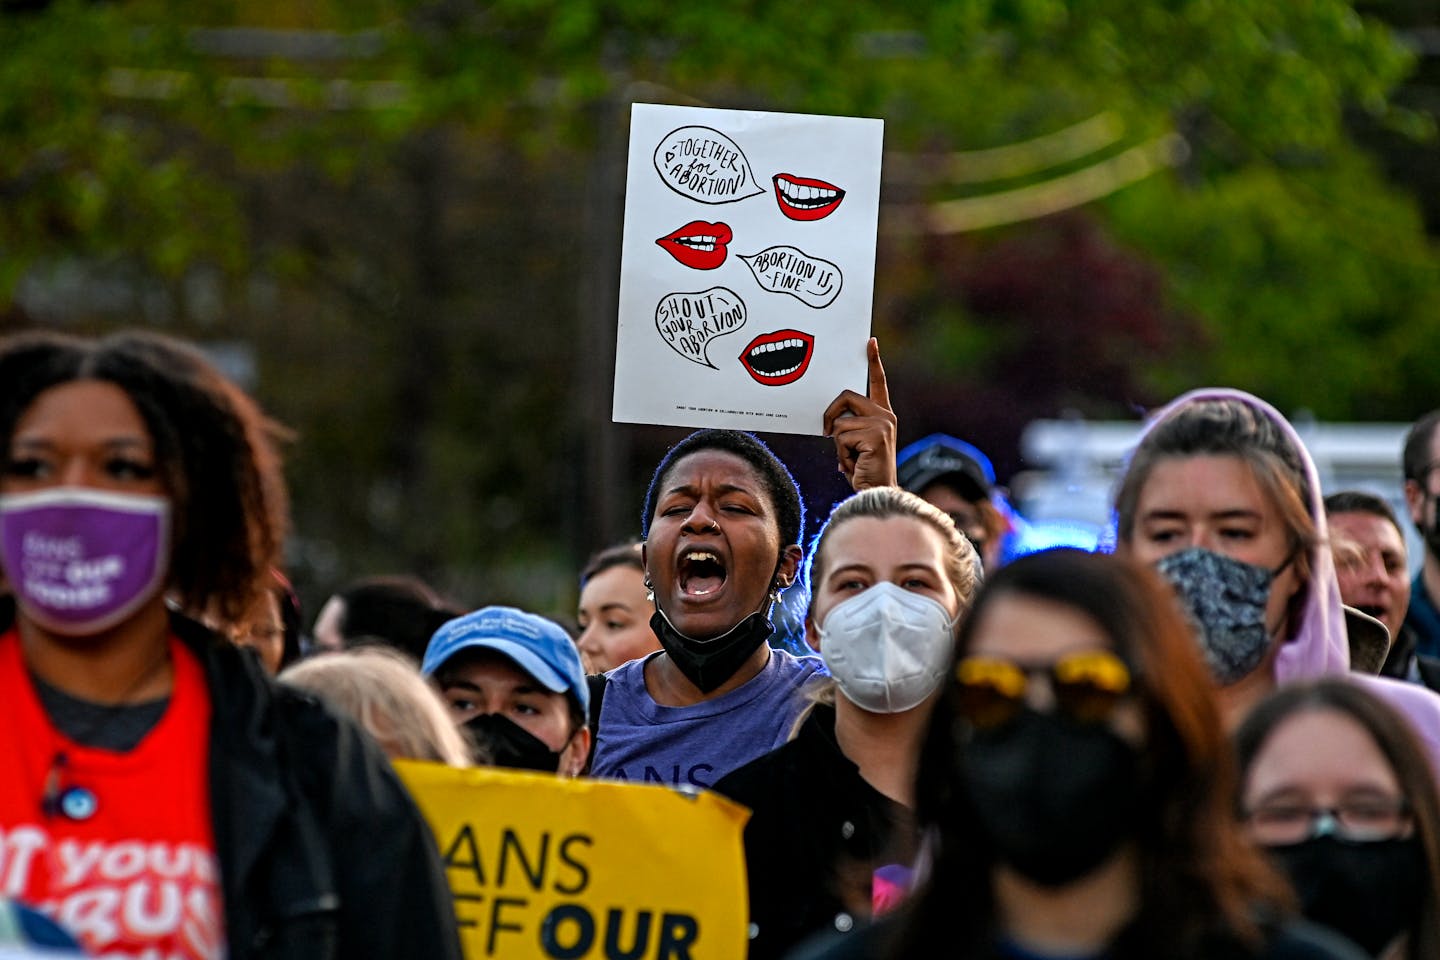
(1226, 601)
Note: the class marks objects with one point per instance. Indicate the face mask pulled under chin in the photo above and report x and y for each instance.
(1226, 600)
(709, 663)
(501, 742)
(888, 648)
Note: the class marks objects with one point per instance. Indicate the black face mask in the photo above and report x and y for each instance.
(709, 663)
(1370, 891)
(501, 742)
(1056, 797)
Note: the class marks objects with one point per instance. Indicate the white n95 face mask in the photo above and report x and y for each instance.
(887, 648)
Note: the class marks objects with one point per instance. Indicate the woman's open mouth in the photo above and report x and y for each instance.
(775, 359)
(698, 245)
(806, 198)
(701, 573)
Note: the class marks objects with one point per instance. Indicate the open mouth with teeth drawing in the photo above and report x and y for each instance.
(702, 573)
(698, 245)
(775, 359)
(805, 198)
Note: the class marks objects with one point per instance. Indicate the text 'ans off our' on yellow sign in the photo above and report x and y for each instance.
(541, 867)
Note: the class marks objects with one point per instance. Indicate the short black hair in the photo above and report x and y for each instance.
(784, 491)
(1416, 458)
(215, 452)
(1359, 501)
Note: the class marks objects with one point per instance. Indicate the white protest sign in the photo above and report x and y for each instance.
(747, 266)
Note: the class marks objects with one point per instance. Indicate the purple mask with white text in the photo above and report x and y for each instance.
(82, 560)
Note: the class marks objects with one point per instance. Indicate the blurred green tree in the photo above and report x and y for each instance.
(410, 210)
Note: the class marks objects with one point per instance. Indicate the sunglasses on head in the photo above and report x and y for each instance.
(1086, 687)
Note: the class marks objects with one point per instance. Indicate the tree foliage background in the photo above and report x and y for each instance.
(398, 221)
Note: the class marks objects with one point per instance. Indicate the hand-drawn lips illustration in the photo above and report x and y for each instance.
(803, 198)
(775, 359)
(698, 245)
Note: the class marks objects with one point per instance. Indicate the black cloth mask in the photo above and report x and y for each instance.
(1371, 891)
(709, 663)
(1226, 601)
(501, 742)
(1056, 797)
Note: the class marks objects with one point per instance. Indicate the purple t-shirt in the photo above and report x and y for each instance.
(643, 742)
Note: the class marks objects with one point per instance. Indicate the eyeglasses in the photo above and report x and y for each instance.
(1278, 824)
(1087, 687)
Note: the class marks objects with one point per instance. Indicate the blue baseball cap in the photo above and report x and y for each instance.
(945, 458)
(538, 646)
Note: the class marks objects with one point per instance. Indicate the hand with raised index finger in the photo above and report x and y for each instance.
(864, 429)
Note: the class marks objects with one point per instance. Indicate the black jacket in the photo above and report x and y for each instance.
(1284, 940)
(1404, 662)
(817, 833)
(322, 852)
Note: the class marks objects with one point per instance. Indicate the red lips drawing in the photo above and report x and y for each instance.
(698, 245)
(805, 198)
(775, 359)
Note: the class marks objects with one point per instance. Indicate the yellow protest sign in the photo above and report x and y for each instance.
(541, 867)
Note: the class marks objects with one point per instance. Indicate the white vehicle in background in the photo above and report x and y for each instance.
(1073, 465)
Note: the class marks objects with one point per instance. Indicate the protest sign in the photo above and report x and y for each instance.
(747, 266)
(543, 867)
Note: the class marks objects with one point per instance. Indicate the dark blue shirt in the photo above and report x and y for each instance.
(1423, 618)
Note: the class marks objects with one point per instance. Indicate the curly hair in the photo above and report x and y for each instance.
(216, 453)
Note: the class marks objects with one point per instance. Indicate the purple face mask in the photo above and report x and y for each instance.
(82, 560)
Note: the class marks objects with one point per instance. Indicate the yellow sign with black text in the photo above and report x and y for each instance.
(544, 868)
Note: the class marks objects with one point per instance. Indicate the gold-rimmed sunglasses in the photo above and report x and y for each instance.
(1086, 686)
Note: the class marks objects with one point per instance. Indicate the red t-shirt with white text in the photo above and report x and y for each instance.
(138, 879)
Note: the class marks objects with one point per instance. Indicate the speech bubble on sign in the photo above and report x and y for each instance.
(704, 164)
(811, 280)
(688, 322)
